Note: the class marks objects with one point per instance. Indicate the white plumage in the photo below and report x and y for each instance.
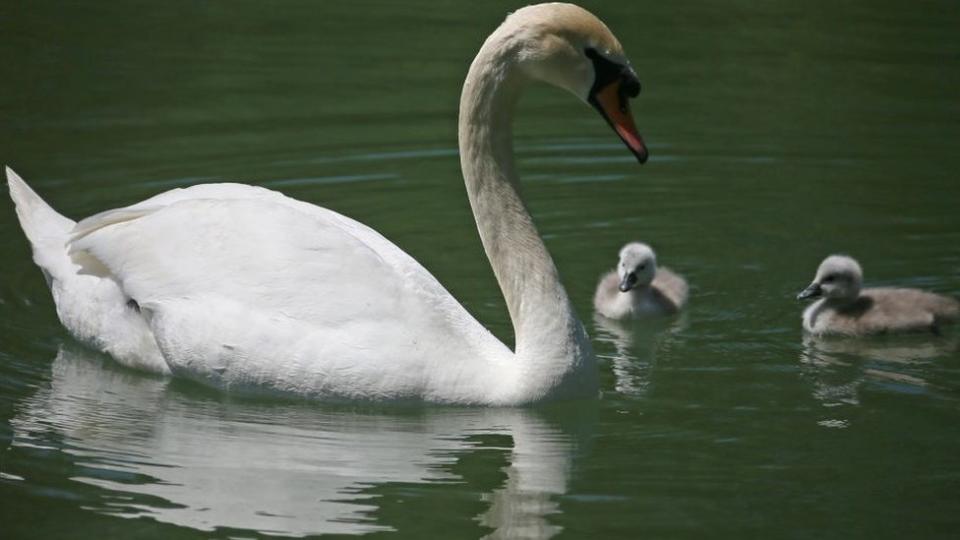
(230, 275)
(244, 288)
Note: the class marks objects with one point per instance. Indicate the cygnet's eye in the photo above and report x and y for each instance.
(643, 266)
(829, 279)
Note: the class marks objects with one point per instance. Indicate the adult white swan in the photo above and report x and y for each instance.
(243, 288)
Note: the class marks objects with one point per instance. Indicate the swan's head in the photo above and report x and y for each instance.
(637, 266)
(839, 277)
(569, 47)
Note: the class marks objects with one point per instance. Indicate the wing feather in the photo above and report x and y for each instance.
(235, 272)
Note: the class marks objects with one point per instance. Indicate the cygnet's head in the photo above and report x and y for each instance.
(637, 266)
(839, 277)
(569, 47)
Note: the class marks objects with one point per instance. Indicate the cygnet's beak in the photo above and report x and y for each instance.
(628, 282)
(613, 103)
(813, 291)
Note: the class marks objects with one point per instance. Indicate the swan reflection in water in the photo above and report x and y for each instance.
(636, 344)
(295, 469)
(840, 367)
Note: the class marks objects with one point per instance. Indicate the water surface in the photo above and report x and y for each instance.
(779, 133)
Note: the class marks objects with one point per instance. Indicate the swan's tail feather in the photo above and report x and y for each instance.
(46, 230)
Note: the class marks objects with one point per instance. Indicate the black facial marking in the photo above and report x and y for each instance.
(607, 72)
(628, 282)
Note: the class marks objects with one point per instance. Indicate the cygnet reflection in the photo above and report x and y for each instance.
(838, 368)
(636, 346)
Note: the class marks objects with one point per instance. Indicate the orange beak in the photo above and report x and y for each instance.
(614, 105)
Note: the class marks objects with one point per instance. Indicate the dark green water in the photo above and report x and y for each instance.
(779, 132)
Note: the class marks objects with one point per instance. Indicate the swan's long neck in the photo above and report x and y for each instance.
(551, 343)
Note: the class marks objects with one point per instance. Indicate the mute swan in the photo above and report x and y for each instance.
(846, 309)
(240, 287)
(639, 288)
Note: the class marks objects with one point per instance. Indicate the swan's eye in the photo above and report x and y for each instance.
(643, 267)
(829, 279)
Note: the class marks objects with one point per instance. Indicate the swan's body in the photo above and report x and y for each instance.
(242, 305)
(639, 288)
(847, 309)
(243, 288)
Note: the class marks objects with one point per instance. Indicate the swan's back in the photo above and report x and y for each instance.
(672, 287)
(176, 245)
(881, 310)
